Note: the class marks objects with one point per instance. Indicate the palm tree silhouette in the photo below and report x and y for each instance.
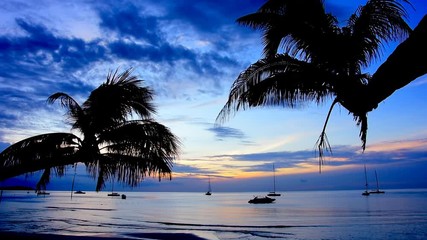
(309, 57)
(119, 139)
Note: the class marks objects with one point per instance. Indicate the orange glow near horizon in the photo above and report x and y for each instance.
(396, 146)
(227, 167)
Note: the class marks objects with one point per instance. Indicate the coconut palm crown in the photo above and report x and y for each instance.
(120, 140)
(310, 57)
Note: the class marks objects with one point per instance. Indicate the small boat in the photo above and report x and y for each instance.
(209, 192)
(273, 193)
(378, 186)
(366, 193)
(79, 192)
(265, 199)
(42, 193)
(123, 196)
(114, 194)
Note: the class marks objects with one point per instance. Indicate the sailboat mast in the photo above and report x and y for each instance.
(376, 177)
(274, 179)
(366, 179)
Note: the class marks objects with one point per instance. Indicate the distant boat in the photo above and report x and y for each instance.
(123, 196)
(79, 192)
(378, 186)
(209, 192)
(366, 193)
(42, 193)
(273, 193)
(257, 200)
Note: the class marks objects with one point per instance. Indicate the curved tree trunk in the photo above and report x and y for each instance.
(405, 64)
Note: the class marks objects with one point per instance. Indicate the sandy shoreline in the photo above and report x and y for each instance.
(158, 236)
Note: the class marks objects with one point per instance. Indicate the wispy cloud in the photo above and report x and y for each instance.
(342, 157)
(227, 132)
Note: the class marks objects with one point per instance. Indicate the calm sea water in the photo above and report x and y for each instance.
(397, 214)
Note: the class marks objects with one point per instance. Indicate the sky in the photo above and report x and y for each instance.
(189, 53)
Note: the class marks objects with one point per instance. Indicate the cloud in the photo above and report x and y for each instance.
(181, 168)
(343, 156)
(128, 21)
(227, 132)
(41, 48)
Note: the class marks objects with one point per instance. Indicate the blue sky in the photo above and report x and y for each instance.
(190, 52)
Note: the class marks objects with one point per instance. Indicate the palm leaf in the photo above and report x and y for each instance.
(143, 139)
(375, 24)
(75, 112)
(137, 149)
(282, 81)
(118, 98)
(37, 153)
(294, 24)
(44, 180)
(74, 109)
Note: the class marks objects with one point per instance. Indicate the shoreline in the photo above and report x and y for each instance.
(147, 235)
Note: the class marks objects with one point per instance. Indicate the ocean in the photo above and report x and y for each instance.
(397, 214)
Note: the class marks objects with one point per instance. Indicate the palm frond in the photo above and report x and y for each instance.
(362, 121)
(132, 170)
(75, 112)
(44, 180)
(375, 24)
(322, 144)
(46, 175)
(138, 149)
(282, 81)
(295, 25)
(66, 102)
(105, 170)
(257, 20)
(274, 28)
(114, 101)
(143, 139)
(38, 152)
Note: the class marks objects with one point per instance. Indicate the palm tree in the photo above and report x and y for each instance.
(309, 57)
(119, 139)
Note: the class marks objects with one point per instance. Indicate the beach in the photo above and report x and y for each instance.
(396, 214)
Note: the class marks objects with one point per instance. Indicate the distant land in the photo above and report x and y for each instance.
(16, 188)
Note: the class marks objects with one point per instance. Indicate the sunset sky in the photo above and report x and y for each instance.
(189, 53)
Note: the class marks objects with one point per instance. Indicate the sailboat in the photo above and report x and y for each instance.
(273, 193)
(366, 193)
(378, 186)
(209, 192)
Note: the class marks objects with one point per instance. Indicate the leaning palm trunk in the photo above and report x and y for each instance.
(404, 65)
